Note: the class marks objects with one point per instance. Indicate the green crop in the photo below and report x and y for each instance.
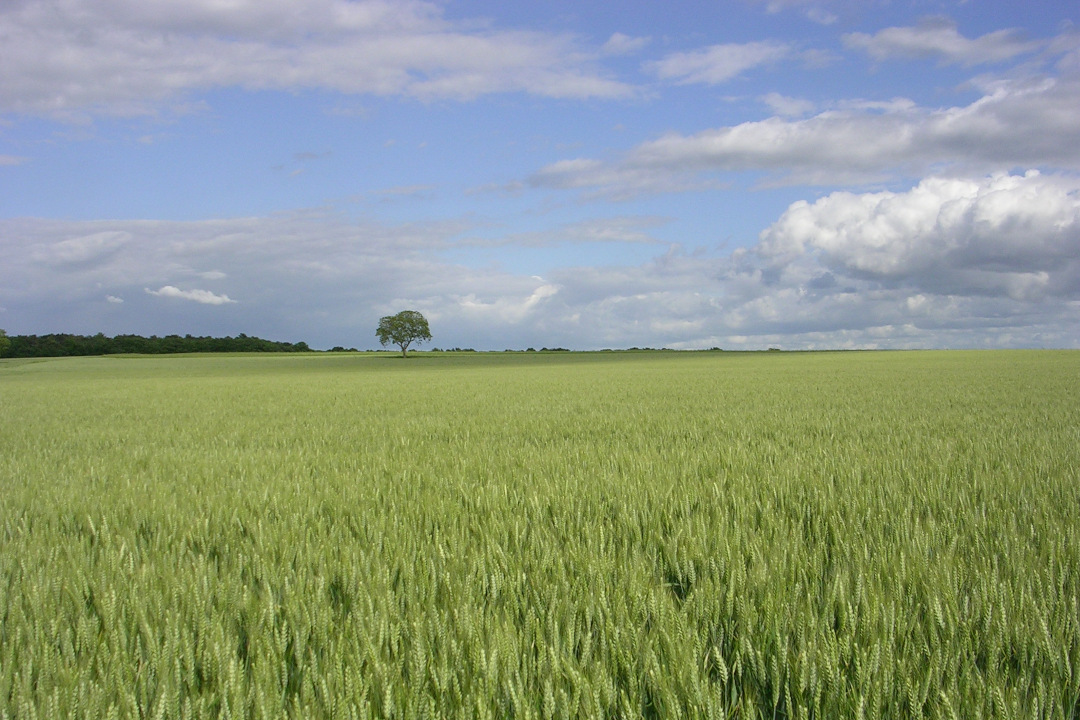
(668, 535)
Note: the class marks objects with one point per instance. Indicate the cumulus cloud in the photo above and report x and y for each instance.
(937, 38)
(1015, 124)
(1006, 236)
(65, 57)
(204, 297)
(718, 63)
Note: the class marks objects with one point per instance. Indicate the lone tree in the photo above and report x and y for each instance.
(403, 329)
(5, 342)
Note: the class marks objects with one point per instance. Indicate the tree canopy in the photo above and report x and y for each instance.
(403, 329)
(63, 344)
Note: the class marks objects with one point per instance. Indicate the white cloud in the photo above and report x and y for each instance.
(1016, 124)
(204, 297)
(84, 249)
(822, 17)
(633, 229)
(787, 106)
(68, 57)
(618, 181)
(12, 160)
(814, 10)
(114, 300)
(507, 310)
(937, 38)
(620, 44)
(1004, 236)
(718, 63)
(629, 229)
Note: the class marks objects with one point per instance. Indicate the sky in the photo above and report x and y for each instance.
(587, 174)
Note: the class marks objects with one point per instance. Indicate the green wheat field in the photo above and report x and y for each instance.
(541, 535)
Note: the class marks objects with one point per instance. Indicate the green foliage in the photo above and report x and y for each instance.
(531, 535)
(65, 345)
(5, 343)
(403, 329)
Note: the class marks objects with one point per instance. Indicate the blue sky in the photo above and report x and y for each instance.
(745, 174)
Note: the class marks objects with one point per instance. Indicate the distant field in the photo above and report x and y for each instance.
(531, 535)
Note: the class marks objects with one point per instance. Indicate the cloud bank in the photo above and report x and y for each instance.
(949, 262)
(66, 58)
(937, 38)
(1027, 123)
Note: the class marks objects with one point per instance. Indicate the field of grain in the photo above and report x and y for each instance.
(528, 535)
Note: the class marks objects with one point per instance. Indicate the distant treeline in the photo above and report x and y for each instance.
(63, 345)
